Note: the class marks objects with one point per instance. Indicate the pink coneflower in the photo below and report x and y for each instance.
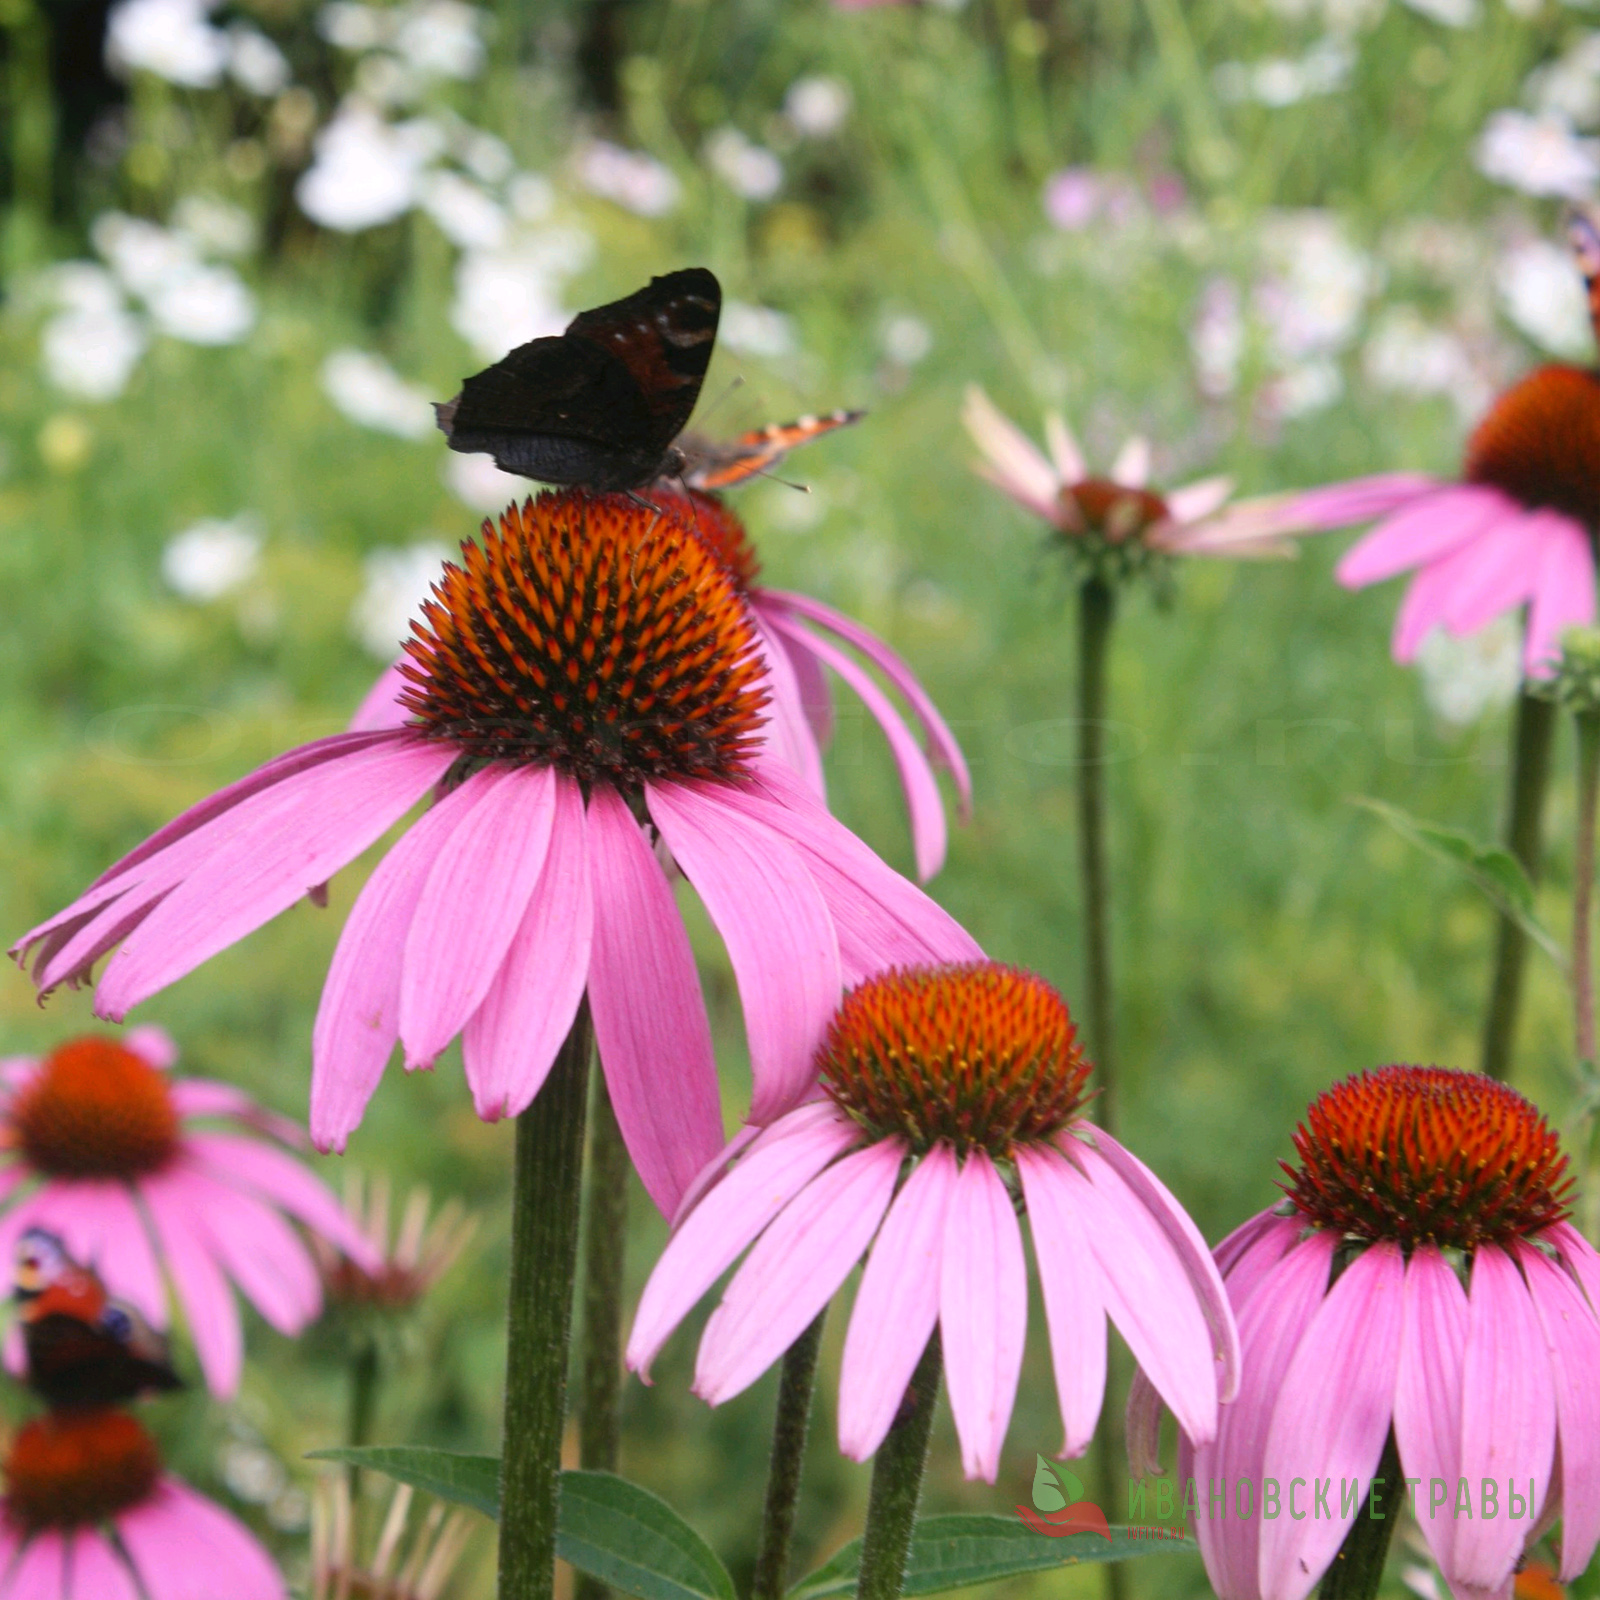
(585, 685)
(967, 1082)
(801, 637)
(1424, 1277)
(150, 1178)
(88, 1514)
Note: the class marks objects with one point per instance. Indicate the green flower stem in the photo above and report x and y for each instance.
(789, 1429)
(1357, 1570)
(364, 1375)
(1097, 603)
(897, 1483)
(605, 1210)
(544, 1250)
(1530, 777)
(1583, 884)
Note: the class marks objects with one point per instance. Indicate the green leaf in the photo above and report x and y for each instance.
(956, 1551)
(610, 1528)
(1495, 873)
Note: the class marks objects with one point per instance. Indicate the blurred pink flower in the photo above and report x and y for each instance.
(149, 1178)
(586, 673)
(967, 1071)
(1464, 1320)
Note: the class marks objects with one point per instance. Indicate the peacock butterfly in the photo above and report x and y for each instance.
(715, 464)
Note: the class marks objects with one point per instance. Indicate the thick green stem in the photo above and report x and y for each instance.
(1530, 777)
(1583, 885)
(544, 1250)
(897, 1483)
(605, 1246)
(789, 1428)
(1357, 1570)
(363, 1407)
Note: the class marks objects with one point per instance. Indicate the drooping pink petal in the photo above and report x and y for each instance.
(98, 1572)
(815, 693)
(1249, 1255)
(789, 734)
(1496, 576)
(381, 708)
(203, 1292)
(1427, 1400)
(321, 821)
(787, 1156)
(1579, 1257)
(897, 1306)
(1423, 608)
(1011, 461)
(794, 1270)
(152, 1044)
(1508, 1413)
(511, 1040)
(179, 1541)
(775, 924)
(1141, 1427)
(472, 905)
(649, 1016)
(1197, 500)
(1362, 499)
(1572, 1335)
(40, 1572)
(713, 1172)
(1333, 1412)
(1066, 455)
(1563, 593)
(1422, 532)
(206, 1098)
(1074, 1310)
(983, 1313)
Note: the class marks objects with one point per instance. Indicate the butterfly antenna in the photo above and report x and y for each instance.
(1584, 233)
(735, 382)
(788, 483)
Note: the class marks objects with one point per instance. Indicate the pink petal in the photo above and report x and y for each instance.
(98, 1572)
(786, 1157)
(1508, 1412)
(1563, 593)
(1066, 456)
(1572, 1335)
(1333, 1412)
(1361, 499)
(472, 905)
(40, 1570)
(1132, 467)
(1074, 1310)
(1496, 576)
(1579, 1257)
(179, 1541)
(1141, 1427)
(208, 1304)
(1427, 1401)
(512, 1039)
(1249, 1256)
(1427, 599)
(649, 1017)
(788, 732)
(1198, 500)
(896, 1306)
(1422, 532)
(775, 924)
(205, 1098)
(153, 1044)
(381, 708)
(983, 1313)
(1013, 463)
(794, 1269)
(321, 821)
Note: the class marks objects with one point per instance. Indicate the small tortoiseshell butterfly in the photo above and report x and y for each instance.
(719, 464)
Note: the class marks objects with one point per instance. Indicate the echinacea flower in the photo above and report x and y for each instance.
(584, 685)
(407, 1258)
(1117, 523)
(951, 1098)
(88, 1514)
(1423, 1277)
(154, 1179)
(800, 638)
(412, 1558)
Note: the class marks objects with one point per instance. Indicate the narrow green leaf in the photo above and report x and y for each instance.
(954, 1552)
(461, 1479)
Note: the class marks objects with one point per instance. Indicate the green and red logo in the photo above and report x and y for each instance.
(1059, 1507)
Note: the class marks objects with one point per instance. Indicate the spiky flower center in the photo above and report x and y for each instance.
(593, 633)
(1540, 442)
(1115, 512)
(95, 1110)
(719, 529)
(978, 1056)
(1428, 1155)
(76, 1467)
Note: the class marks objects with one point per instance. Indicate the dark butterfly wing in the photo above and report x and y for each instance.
(75, 1363)
(711, 464)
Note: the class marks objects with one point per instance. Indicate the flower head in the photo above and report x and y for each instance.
(1424, 1278)
(584, 685)
(950, 1093)
(413, 1558)
(151, 1178)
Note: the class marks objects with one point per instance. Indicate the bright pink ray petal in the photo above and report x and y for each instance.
(1508, 1412)
(1580, 1258)
(1496, 576)
(649, 1016)
(98, 1572)
(321, 822)
(1427, 1400)
(40, 1572)
(1012, 462)
(816, 695)
(1197, 500)
(1253, 1253)
(179, 1541)
(710, 1239)
(772, 918)
(1563, 594)
(472, 905)
(1427, 599)
(896, 1306)
(794, 1270)
(1073, 1308)
(983, 1313)
(153, 1044)
(1362, 499)
(381, 708)
(203, 1292)
(1333, 1413)
(1423, 532)
(202, 1097)
(789, 732)
(512, 1038)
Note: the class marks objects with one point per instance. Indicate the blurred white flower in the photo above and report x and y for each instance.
(255, 63)
(466, 216)
(366, 171)
(212, 558)
(252, 1472)
(144, 255)
(441, 39)
(817, 107)
(172, 38)
(385, 81)
(1317, 289)
(1543, 295)
(477, 482)
(1284, 80)
(81, 286)
(214, 225)
(1409, 356)
(906, 339)
(751, 170)
(531, 196)
(1569, 86)
(347, 25)
(370, 392)
(1305, 387)
(205, 305)
(397, 582)
(756, 331)
(1464, 678)
(487, 158)
(1452, 13)
(92, 346)
(1538, 155)
(628, 178)
(507, 296)
(1216, 337)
